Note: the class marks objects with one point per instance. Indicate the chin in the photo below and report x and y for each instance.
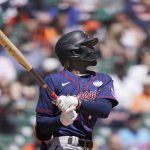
(93, 63)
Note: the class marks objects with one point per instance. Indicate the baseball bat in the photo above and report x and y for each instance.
(18, 56)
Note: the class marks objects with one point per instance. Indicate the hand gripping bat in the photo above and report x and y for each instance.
(18, 56)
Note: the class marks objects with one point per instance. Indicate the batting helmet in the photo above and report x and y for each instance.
(77, 45)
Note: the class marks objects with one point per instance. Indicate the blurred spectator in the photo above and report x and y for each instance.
(90, 6)
(131, 36)
(137, 73)
(143, 55)
(116, 119)
(7, 110)
(56, 28)
(114, 143)
(7, 70)
(35, 145)
(141, 103)
(134, 136)
(121, 84)
(50, 65)
(139, 12)
(91, 27)
(70, 8)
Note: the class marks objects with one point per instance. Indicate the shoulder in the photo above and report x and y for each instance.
(53, 78)
(53, 75)
(103, 77)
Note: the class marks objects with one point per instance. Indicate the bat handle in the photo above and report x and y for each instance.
(53, 94)
(43, 84)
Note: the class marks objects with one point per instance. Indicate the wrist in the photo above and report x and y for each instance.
(60, 122)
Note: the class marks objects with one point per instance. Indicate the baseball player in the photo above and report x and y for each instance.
(83, 96)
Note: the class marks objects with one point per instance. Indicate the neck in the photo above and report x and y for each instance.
(77, 67)
(79, 72)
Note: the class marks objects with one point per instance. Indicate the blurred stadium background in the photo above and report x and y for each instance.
(34, 26)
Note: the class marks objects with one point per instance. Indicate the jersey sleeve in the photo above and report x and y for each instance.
(45, 105)
(106, 91)
(47, 114)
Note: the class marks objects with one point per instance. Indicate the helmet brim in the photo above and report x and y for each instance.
(90, 42)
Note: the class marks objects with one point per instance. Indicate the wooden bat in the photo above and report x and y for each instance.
(18, 56)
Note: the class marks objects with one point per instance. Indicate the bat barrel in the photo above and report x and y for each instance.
(13, 51)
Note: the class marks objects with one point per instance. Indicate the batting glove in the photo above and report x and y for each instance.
(67, 117)
(65, 102)
(74, 101)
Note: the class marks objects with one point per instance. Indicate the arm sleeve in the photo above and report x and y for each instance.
(105, 101)
(47, 115)
(100, 108)
(107, 92)
(46, 125)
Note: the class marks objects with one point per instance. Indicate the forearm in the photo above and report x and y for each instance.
(46, 125)
(99, 108)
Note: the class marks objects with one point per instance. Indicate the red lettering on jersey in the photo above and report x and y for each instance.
(87, 95)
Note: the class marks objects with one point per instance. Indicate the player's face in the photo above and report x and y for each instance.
(80, 65)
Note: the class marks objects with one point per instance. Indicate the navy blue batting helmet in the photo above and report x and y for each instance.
(77, 45)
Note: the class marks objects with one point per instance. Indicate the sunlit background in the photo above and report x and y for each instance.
(34, 26)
